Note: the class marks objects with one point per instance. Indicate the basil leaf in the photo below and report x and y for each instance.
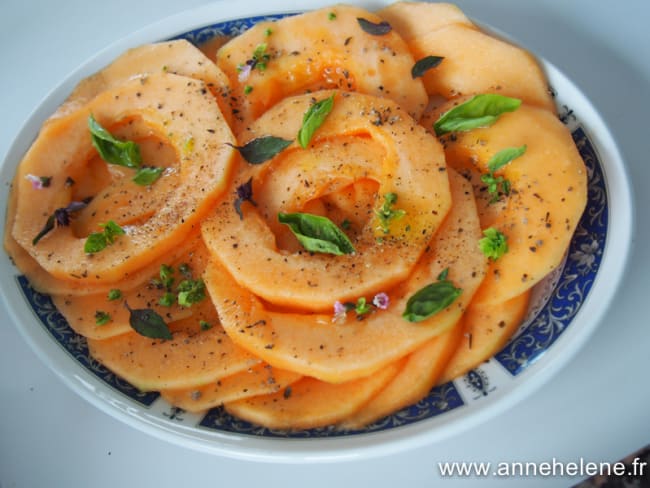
(95, 242)
(431, 299)
(111, 231)
(425, 64)
(504, 156)
(479, 111)
(317, 234)
(379, 29)
(49, 225)
(262, 149)
(148, 323)
(147, 176)
(313, 119)
(111, 150)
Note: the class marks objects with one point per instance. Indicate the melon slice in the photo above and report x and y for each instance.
(486, 330)
(415, 379)
(475, 62)
(202, 173)
(192, 358)
(80, 311)
(314, 344)
(399, 155)
(310, 403)
(179, 57)
(261, 379)
(412, 20)
(314, 51)
(548, 195)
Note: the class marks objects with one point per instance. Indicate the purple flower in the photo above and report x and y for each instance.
(340, 311)
(381, 301)
(38, 182)
(244, 71)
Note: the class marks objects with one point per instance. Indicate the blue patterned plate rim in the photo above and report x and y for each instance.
(569, 302)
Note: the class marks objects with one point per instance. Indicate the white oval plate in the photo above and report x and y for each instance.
(567, 308)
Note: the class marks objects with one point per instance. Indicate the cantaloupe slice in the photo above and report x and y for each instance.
(192, 358)
(486, 330)
(548, 196)
(63, 148)
(399, 155)
(80, 311)
(179, 57)
(261, 379)
(475, 62)
(310, 403)
(419, 374)
(314, 344)
(314, 51)
(416, 19)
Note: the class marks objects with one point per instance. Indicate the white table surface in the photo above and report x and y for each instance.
(597, 408)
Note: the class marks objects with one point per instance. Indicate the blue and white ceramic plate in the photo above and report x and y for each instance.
(566, 307)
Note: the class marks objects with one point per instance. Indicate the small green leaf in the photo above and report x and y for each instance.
(147, 176)
(166, 274)
(362, 307)
(167, 300)
(313, 119)
(379, 29)
(317, 234)
(190, 292)
(425, 64)
(205, 325)
(504, 156)
(494, 244)
(431, 299)
(479, 111)
(114, 294)
(112, 150)
(262, 149)
(102, 318)
(95, 242)
(148, 323)
(111, 231)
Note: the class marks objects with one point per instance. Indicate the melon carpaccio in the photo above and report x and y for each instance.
(208, 297)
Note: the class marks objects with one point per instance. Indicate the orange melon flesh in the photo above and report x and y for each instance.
(261, 379)
(79, 311)
(310, 403)
(413, 167)
(415, 19)
(178, 57)
(192, 358)
(475, 62)
(486, 330)
(548, 196)
(114, 193)
(204, 171)
(313, 345)
(415, 379)
(310, 52)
